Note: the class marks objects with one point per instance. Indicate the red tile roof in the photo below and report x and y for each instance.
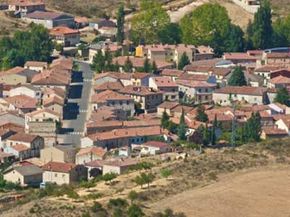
(63, 30)
(246, 90)
(171, 72)
(23, 137)
(22, 101)
(20, 147)
(58, 167)
(109, 95)
(164, 82)
(138, 90)
(156, 144)
(109, 86)
(100, 152)
(195, 84)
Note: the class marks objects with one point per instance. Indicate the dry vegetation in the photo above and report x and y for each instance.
(251, 176)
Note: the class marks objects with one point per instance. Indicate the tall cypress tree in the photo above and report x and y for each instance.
(184, 60)
(213, 130)
(147, 66)
(262, 31)
(128, 66)
(165, 120)
(237, 78)
(201, 115)
(120, 24)
(182, 127)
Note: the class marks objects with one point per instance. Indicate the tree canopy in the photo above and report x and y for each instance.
(184, 60)
(210, 24)
(201, 115)
(261, 34)
(34, 44)
(182, 127)
(120, 24)
(237, 78)
(282, 96)
(148, 22)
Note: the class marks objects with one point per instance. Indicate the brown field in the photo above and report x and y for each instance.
(262, 192)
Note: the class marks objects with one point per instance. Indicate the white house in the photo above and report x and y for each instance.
(28, 90)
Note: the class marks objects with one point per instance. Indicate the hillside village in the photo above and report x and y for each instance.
(107, 107)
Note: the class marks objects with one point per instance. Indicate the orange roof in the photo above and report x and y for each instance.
(195, 84)
(164, 82)
(81, 20)
(41, 111)
(22, 101)
(274, 131)
(126, 133)
(239, 56)
(100, 152)
(63, 30)
(246, 90)
(109, 95)
(172, 72)
(109, 86)
(58, 167)
(138, 90)
(280, 80)
(53, 100)
(20, 147)
(23, 137)
(35, 64)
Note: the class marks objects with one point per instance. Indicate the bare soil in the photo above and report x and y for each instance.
(262, 192)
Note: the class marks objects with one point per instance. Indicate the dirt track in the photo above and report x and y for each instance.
(256, 193)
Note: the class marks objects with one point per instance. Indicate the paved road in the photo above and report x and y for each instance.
(77, 110)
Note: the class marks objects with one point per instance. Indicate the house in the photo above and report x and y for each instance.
(17, 75)
(5, 134)
(49, 19)
(196, 91)
(140, 79)
(279, 82)
(240, 58)
(283, 123)
(113, 99)
(266, 71)
(139, 62)
(29, 175)
(65, 36)
(114, 86)
(145, 96)
(276, 58)
(118, 166)
(23, 103)
(12, 118)
(166, 107)
(273, 133)
(154, 148)
(36, 65)
(43, 122)
(252, 95)
(99, 125)
(106, 28)
(63, 173)
(23, 7)
(24, 146)
(27, 90)
(54, 104)
(58, 153)
(81, 22)
(89, 154)
(103, 46)
(105, 77)
(5, 157)
(171, 73)
(165, 85)
(120, 137)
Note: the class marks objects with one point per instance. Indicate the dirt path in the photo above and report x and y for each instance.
(175, 16)
(255, 193)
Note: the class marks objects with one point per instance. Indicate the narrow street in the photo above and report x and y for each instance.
(77, 107)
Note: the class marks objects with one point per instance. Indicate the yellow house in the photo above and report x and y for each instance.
(139, 51)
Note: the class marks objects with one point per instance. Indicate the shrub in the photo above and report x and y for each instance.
(118, 202)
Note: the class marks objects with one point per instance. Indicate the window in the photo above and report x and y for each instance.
(55, 175)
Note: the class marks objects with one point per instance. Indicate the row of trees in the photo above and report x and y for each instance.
(210, 24)
(34, 44)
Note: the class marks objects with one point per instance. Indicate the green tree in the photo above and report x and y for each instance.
(200, 114)
(237, 77)
(99, 62)
(108, 177)
(147, 23)
(133, 195)
(281, 32)
(170, 34)
(234, 40)
(128, 66)
(262, 31)
(184, 60)
(182, 127)
(213, 131)
(147, 66)
(165, 120)
(207, 25)
(34, 44)
(144, 178)
(166, 173)
(282, 96)
(253, 127)
(120, 24)
(154, 67)
(135, 211)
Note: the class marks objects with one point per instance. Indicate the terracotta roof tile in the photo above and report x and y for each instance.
(247, 90)
(109, 95)
(100, 152)
(58, 167)
(23, 137)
